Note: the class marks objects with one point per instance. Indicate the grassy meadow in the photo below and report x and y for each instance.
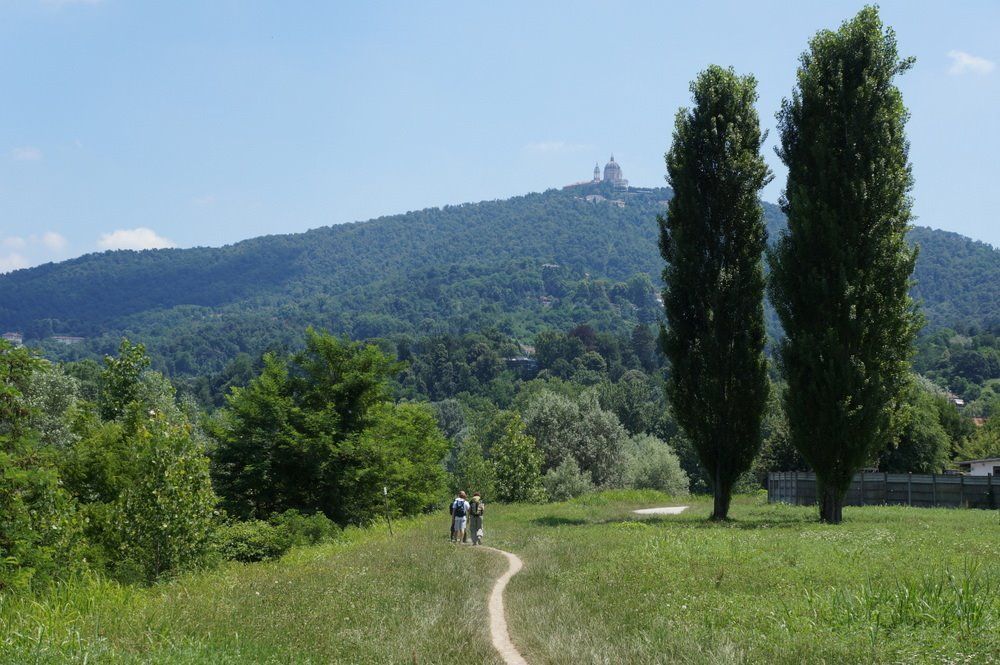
(890, 585)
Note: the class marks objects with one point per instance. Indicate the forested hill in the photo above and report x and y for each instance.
(519, 265)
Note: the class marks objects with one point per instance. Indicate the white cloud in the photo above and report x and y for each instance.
(206, 200)
(551, 147)
(12, 261)
(15, 242)
(140, 238)
(965, 63)
(53, 241)
(26, 153)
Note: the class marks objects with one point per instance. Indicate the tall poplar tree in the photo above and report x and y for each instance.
(712, 238)
(841, 273)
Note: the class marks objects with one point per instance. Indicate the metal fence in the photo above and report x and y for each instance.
(903, 489)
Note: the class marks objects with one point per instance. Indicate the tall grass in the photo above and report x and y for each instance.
(600, 585)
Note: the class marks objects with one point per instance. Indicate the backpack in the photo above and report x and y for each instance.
(476, 507)
(460, 508)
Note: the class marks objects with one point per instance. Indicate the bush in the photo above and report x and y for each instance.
(304, 529)
(253, 540)
(651, 464)
(567, 481)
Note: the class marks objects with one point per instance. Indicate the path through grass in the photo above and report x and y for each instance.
(600, 585)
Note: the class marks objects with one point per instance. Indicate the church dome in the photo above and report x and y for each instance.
(612, 171)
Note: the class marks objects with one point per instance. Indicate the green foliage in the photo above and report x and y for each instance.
(921, 445)
(517, 462)
(142, 477)
(305, 529)
(840, 275)
(651, 464)
(579, 429)
(120, 379)
(567, 481)
(985, 442)
(252, 540)
(401, 450)
(162, 519)
(40, 531)
(315, 432)
(473, 472)
(712, 238)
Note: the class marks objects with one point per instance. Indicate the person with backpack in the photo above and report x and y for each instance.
(459, 513)
(476, 518)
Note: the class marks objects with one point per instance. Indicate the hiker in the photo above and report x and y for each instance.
(476, 518)
(459, 511)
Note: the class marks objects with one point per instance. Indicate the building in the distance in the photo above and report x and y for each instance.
(613, 173)
(66, 339)
(612, 176)
(14, 338)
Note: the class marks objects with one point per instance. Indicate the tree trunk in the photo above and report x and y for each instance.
(723, 495)
(831, 507)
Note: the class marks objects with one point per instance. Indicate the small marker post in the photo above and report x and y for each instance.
(385, 494)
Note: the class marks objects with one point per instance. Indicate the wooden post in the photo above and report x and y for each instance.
(961, 491)
(909, 489)
(885, 487)
(862, 490)
(989, 485)
(933, 490)
(385, 493)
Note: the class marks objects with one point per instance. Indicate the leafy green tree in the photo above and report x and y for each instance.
(644, 347)
(40, 531)
(163, 517)
(922, 445)
(402, 450)
(712, 238)
(579, 429)
(258, 468)
(142, 476)
(985, 442)
(120, 379)
(473, 472)
(840, 274)
(53, 397)
(316, 432)
(651, 464)
(567, 481)
(517, 463)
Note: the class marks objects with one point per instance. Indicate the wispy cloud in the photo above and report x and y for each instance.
(26, 153)
(12, 261)
(14, 242)
(139, 238)
(553, 147)
(53, 241)
(966, 63)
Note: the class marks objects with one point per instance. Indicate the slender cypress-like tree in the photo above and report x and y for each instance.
(841, 273)
(712, 238)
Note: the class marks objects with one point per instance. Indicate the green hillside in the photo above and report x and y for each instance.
(548, 260)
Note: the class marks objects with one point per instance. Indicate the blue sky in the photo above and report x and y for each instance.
(141, 124)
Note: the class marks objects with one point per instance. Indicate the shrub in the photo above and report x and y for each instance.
(567, 481)
(302, 529)
(253, 540)
(651, 464)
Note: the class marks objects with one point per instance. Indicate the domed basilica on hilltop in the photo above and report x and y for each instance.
(612, 174)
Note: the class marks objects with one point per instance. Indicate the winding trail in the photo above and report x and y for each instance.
(498, 619)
